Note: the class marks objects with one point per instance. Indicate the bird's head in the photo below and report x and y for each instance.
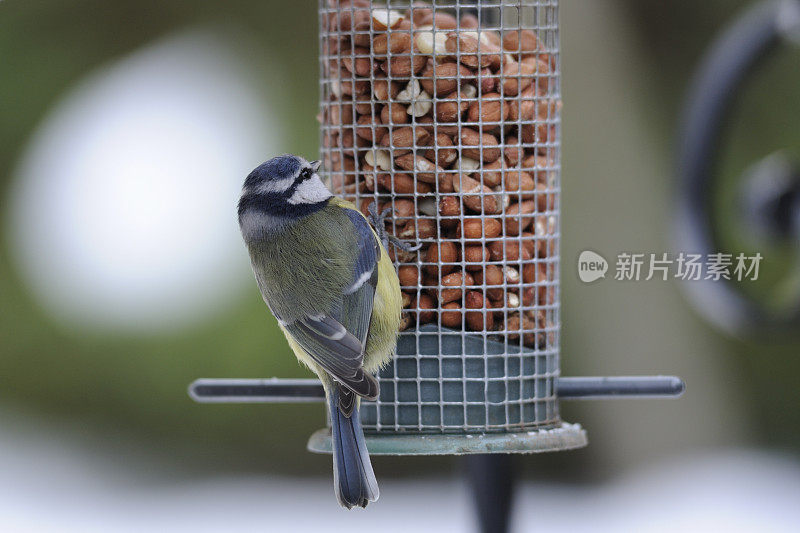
(286, 186)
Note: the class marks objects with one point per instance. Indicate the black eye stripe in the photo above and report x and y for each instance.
(305, 174)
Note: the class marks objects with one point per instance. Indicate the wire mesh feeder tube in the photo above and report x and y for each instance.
(449, 115)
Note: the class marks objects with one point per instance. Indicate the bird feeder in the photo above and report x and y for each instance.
(449, 114)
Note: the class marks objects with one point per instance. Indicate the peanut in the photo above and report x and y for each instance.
(395, 43)
(406, 321)
(469, 20)
(492, 172)
(519, 217)
(529, 242)
(486, 145)
(511, 275)
(383, 19)
(403, 184)
(368, 131)
(519, 184)
(477, 320)
(362, 34)
(408, 276)
(407, 299)
(443, 155)
(516, 323)
(439, 20)
(414, 230)
(479, 198)
(450, 108)
(456, 279)
(419, 11)
(512, 150)
(474, 49)
(425, 170)
(346, 19)
(488, 80)
(403, 66)
(491, 276)
(523, 107)
(402, 209)
(474, 228)
(403, 139)
(451, 315)
(394, 113)
(383, 89)
(425, 301)
(490, 108)
(359, 63)
(508, 250)
(522, 41)
(447, 77)
(420, 107)
(476, 254)
(449, 206)
(518, 77)
(444, 252)
(431, 43)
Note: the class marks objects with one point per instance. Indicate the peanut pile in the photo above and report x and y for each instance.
(453, 127)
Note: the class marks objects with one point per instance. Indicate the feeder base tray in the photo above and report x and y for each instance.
(566, 437)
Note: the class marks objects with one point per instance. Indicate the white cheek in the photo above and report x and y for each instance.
(310, 192)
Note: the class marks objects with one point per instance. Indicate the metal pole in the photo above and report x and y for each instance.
(491, 482)
(310, 390)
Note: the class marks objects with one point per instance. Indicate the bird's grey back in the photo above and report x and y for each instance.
(308, 261)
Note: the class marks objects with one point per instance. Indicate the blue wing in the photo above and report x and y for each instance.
(360, 295)
(335, 339)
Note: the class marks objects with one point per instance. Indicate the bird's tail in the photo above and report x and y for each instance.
(353, 478)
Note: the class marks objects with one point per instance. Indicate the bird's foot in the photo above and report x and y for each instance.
(379, 223)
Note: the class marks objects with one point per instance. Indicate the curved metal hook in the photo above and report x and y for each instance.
(717, 82)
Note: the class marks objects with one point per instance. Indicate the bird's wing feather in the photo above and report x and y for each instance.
(359, 297)
(335, 339)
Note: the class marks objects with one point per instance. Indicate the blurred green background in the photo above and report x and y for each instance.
(626, 65)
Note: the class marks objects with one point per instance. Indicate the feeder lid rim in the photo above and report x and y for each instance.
(564, 437)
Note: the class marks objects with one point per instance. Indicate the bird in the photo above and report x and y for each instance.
(326, 276)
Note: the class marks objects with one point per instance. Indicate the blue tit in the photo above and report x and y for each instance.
(328, 279)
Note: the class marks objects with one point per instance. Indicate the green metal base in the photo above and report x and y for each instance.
(566, 437)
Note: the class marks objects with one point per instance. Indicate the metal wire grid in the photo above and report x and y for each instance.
(442, 381)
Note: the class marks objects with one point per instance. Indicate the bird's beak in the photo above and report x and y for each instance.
(315, 165)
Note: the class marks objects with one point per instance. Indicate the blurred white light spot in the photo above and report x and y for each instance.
(124, 205)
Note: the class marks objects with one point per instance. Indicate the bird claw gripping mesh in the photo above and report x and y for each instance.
(378, 221)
